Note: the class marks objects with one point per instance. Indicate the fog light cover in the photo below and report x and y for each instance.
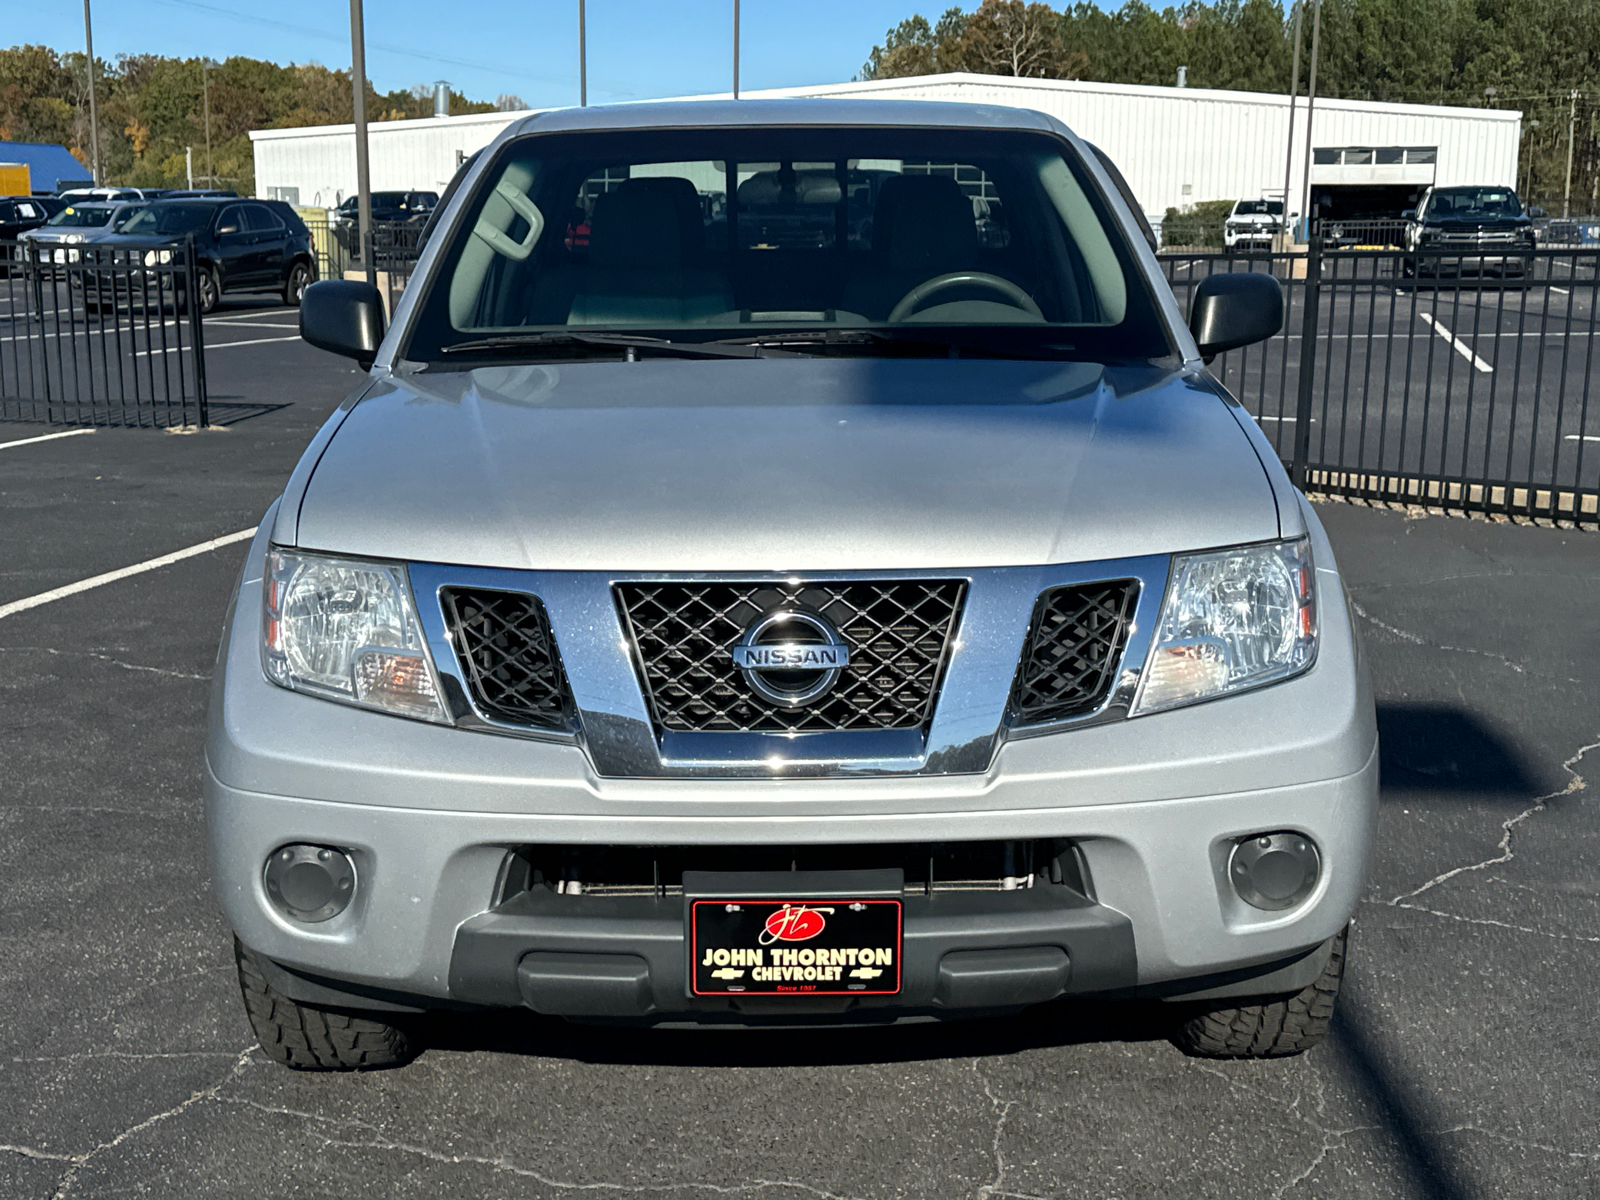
(309, 883)
(1274, 871)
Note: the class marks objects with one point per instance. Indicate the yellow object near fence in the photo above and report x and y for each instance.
(332, 256)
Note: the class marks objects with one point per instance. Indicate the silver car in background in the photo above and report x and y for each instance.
(788, 565)
(78, 225)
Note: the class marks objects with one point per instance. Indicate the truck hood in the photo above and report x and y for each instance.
(783, 464)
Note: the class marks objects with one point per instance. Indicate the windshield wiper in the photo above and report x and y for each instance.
(510, 343)
(927, 340)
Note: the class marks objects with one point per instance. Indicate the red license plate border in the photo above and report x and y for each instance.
(830, 902)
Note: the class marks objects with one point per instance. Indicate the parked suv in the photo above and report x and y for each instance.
(695, 626)
(1468, 230)
(240, 245)
(1252, 224)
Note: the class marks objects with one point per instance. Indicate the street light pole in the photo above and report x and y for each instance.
(1572, 128)
(1311, 105)
(205, 100)
(735, 49)
(358, 85)
(1294, 94)
(583, 57)
(94, 119)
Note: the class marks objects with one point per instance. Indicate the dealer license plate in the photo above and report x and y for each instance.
(795, 947)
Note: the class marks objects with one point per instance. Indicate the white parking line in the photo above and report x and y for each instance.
(43, 437)
(210, 346)
(84, 585)
(255, 324)
(1582, 437)
(1563, 291)
(1461, 347)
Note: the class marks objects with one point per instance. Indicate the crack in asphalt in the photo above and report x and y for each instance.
(1489, 921)
(1581, 1155)
(1332, 1139)
(1574, 785)
(504, 1164)
(1417, 640)
(128, 1054)
(102, 657)
(994, 1189)
(79, 1161)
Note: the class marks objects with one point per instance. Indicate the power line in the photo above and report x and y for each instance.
(341, 39)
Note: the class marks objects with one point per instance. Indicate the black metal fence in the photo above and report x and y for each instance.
(99, 336)
(1442, 379)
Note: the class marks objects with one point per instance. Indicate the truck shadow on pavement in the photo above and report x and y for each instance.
(1435, 747)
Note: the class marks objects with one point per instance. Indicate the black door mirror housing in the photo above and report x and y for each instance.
(1235, 310)
(343, 316)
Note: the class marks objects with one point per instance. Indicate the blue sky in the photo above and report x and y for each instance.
(637, 48)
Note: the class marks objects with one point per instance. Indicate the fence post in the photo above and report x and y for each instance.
(197, 339)
(1308, 362)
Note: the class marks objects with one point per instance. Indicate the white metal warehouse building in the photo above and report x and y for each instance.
(1176, 146)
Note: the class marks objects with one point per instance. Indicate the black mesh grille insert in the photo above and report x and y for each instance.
(1074, 643)
(508, 656)
(898, 632)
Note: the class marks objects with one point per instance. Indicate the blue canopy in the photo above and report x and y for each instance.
(50, 167)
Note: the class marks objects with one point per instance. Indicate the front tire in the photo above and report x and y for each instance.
(1273, 1028)
(206, 282)
(309, 1037)
(294, 287)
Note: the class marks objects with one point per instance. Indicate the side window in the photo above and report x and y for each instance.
(261, 219)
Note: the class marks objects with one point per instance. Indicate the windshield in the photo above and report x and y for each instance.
(726, 234)
(1258, 208)
(170, 218)
(73, 217)
(1472, 202)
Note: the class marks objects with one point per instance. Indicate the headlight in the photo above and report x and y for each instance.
(1232, 620)
(157, 257)
(346, 630)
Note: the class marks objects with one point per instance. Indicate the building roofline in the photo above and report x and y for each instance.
(612, 115)
(377, 127)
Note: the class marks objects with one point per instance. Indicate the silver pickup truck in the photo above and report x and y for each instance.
(788, 565)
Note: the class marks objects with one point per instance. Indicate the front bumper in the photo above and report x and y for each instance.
(429, 815)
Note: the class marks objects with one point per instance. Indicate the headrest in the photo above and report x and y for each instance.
(765, 189)
(925, 223)
(685, 199)
(635, 227)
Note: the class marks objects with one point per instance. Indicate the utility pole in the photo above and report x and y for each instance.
(1294, 94)
(1572, 130)
(583, 58)
(206, 65)
(188, 166)
(1311, 104)
(94, 119)
(735, 49)
(358, 96)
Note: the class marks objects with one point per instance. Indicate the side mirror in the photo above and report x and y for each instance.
(1234, 310)
(225, 230)
(1407, 213)
(1536, 212)
(343, 316)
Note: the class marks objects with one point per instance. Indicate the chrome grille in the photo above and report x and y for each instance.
(508, 656)
(898, 631)
(1075, 642)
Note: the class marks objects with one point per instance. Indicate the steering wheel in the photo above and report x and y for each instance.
(1014, 296)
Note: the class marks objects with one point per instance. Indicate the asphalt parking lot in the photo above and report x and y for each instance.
(1464, 1062)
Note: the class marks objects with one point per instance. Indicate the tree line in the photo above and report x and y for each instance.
(1530, 55)
(151, 109)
